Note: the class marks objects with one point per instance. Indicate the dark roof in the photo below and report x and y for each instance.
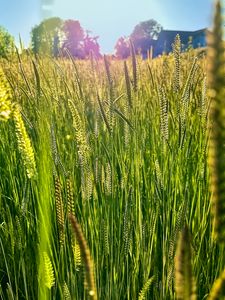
(166, 39)
(170, 35)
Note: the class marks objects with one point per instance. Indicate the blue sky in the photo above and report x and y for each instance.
(108, 19)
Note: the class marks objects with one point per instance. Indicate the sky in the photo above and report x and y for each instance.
(108, 19)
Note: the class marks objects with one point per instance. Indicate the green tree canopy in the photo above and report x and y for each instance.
(54, 34)
(122, 48)
(6, 43)
(74, 37)
(45, 36)
(144, 34)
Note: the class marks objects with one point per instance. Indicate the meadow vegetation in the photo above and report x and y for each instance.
(104, 178)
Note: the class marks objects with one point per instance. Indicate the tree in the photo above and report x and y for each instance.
(91, 45)
(145, 34)
(53, 35)
(6, 43)
(122, 48)
(45, 37)
(56, 45)
(73, 37)
(36, 39)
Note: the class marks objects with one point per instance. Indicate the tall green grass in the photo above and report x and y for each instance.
(122, 146)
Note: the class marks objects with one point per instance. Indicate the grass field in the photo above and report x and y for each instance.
(121, 146)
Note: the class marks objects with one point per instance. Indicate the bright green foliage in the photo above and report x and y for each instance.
(184, 279)
(218, 288)
(132, 182)
(48, 273)
(83, 152)
(24, 144)
(45, 37)
(77, 255)
(66, 292)
(177, 53)
(146, 287)
(87, 260)
(5, 98)
(216, 65)
(59, 210)
(6, 43)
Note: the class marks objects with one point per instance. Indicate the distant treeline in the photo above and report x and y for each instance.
(57, 38)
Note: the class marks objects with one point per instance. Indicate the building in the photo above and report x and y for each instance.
(166, 38)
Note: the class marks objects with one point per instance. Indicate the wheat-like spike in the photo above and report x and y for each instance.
(5, 98)
(216, 76)
(19, 233)
(203, 108)
(124, 179)
(163, 115)
(184, 280)
(96, 124)
(96, 170)
(86, 181)
(70, 199)
(109, 78)
(130, 239)
(145, 289)
(134, 66)
(108, 73)
(127, 232)
(111, 92)
(12, 237)
(106, 238)
(185, 98)
(158, 173)
(24, 144)
(59, 211)
(178, 226)
(218, 288)
(83, 153)
(107, 69)
(79, 128)
(85, 253)
(202, 161)
(66, 292)
(176, 54)
(108, 179)
(128, 87)
(172, 245)
(77, 255)
(126, 228)
(143, 232)
(48, 273)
